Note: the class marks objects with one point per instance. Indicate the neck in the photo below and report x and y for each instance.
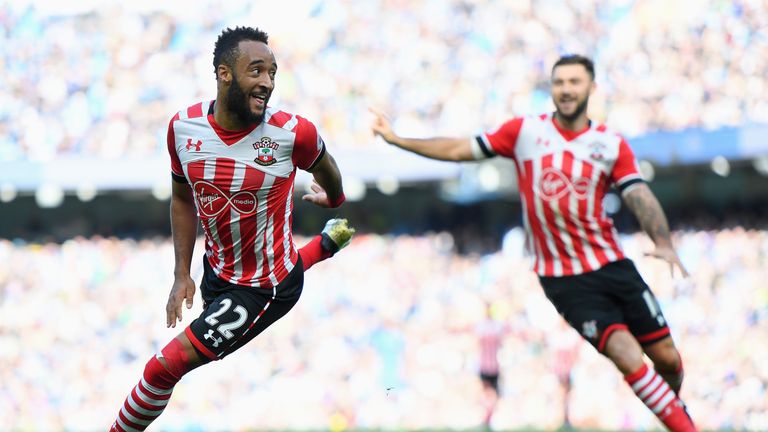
(575, 125)
(227, 119)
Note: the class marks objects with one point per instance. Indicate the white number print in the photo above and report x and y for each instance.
(653, 307)
(226, 328)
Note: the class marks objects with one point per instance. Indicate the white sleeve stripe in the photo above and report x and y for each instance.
(481, 148)
(290, 124)
(630, 188)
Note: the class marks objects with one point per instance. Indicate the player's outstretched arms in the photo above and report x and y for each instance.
(336, 235)
(649, 213)
(440, 148)
(184, 233)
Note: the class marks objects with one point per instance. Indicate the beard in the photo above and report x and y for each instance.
(580, 109)
(237, 103)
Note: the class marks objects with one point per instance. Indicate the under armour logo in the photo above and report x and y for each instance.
(196, 145)
(542, 142)
(216, 341)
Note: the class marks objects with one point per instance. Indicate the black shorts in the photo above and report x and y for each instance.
(611, 298)
(491, 380)
(234, 314)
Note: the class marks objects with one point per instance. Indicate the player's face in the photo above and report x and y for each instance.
(253, 80)
(571, 87)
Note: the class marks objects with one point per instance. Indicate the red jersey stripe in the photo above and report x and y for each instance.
(535, 224)
(564, 258)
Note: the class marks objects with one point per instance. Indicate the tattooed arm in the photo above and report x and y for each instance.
(648, 212)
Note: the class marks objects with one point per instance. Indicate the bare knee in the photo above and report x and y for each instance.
(624, 351)
(664, 355)
(179, 356)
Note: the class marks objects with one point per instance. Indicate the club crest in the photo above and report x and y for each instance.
(266, 151)
(597, 149)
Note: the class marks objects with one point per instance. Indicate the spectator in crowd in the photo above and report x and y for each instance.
(98, 288)
(91, 81)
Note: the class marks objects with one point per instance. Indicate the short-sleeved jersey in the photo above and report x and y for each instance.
(563, 177)
(243, 186)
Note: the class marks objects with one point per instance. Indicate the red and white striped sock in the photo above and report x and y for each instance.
(147, 400)
(660, 398)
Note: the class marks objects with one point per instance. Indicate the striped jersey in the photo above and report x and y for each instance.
(563, 177)
(490, 334)
(243, 188)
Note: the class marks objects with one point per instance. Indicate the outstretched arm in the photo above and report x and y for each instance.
(649, 213)
(440, 148)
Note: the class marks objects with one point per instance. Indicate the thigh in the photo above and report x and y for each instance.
(281, 300)
(639, 305)
(225, 319)
(584, 306)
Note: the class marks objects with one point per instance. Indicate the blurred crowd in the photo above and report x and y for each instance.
(383, 337)
(102, 79)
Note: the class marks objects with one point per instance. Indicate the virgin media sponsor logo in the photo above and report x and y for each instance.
(211, 200)
(554, 184)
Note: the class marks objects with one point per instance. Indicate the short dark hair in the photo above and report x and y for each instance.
(226, 49)
(576, 59)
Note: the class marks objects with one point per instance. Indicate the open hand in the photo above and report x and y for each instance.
(669, 255)
(318, 196)
(183, 288)
(381, 126)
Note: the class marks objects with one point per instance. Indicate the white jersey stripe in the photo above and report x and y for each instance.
(557, 265)
(288, 245)
(578, 171)
(209, 174)
(597, 233)
(261, 225)
(270, 234)
(237, 243)
(531, 247)
(565, 236)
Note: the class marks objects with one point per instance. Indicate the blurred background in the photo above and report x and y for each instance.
(384, 336)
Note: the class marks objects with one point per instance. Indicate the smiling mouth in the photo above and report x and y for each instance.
(261, 99)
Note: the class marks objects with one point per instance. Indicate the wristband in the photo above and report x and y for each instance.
(338, 201)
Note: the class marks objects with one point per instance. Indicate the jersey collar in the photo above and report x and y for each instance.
(570, 135)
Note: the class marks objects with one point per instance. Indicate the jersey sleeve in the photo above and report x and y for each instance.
(309, 147)
(626, 172)
(501, 142)
(177, 173)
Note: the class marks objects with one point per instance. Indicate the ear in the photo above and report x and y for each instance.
(592, 88)
(224, 73)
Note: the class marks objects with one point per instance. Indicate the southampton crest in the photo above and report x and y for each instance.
(597, 150)
(266, 151)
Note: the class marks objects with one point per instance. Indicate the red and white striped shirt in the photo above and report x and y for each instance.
(243, 187)
(563, 177)
(490, 334)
